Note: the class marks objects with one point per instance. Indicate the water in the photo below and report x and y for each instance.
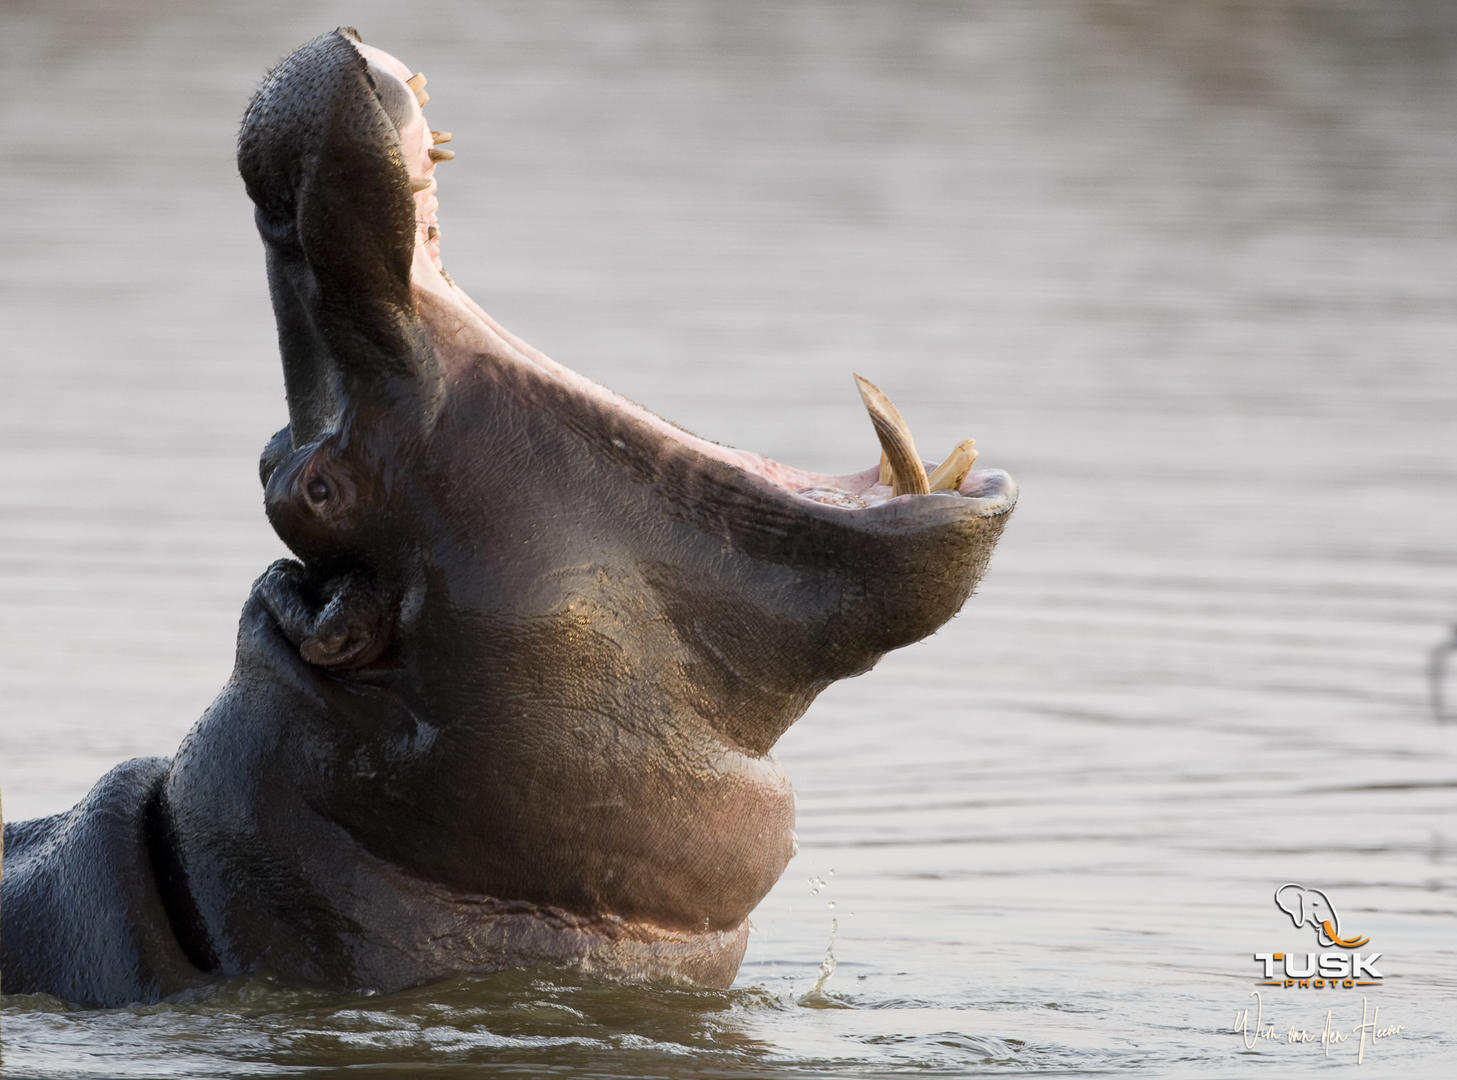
(1189, 272)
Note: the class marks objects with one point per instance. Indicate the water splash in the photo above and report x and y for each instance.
(816, 997)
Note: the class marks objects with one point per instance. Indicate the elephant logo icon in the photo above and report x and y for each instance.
(1311, 907)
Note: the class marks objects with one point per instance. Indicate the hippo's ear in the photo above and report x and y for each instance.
(274, 453)
(344, 623)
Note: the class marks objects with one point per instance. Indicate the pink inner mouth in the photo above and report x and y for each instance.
(985, 492)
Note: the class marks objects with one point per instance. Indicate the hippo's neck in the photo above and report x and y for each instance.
(349, 839)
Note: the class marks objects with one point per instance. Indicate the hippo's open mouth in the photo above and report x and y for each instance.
(901, 472)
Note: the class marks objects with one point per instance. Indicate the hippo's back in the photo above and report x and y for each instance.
(81, 913)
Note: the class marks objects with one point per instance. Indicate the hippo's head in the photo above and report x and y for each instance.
(551, 637)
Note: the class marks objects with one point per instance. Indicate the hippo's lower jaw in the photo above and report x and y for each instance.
(515, 703)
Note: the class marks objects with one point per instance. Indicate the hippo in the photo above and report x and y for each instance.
(513, 703)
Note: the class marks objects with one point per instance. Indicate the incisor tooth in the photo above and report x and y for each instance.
(439, 137)
(948, 475)
(419, 183)
(908, 475)
(416, 82)
(440, 155)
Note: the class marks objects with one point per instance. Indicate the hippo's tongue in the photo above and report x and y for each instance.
(900, 466)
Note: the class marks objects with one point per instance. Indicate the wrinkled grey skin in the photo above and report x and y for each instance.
(514, 703)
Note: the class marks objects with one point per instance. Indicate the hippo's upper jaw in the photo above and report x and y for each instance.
(516, 701)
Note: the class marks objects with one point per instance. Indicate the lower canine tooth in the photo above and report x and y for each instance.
(948, 475)
(908, 475)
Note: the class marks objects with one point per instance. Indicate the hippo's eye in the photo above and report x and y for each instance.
(318, 490)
